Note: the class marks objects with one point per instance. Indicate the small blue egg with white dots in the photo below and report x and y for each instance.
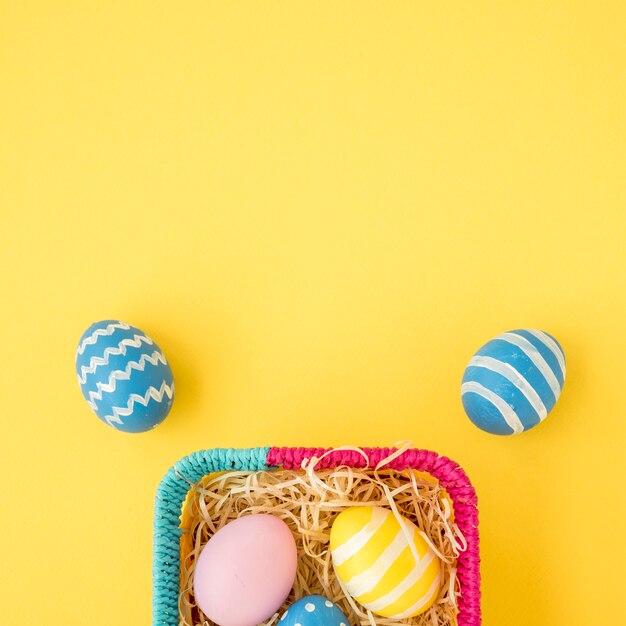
(313, 611)
(124, 376)
(513, 382)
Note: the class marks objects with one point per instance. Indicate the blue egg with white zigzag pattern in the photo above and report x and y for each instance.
(513, 382)
(124, 376)
(313, 611)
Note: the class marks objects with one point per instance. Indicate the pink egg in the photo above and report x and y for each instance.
(246, 571)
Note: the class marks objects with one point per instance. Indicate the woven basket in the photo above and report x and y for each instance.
(174, 487)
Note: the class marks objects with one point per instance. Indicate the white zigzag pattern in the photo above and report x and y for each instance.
(96, 361)
(100, 332)
(152, 393)
(155, 358)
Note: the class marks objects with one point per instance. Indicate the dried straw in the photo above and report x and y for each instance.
(308, 501)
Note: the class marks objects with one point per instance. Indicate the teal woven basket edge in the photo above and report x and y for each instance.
(170, 497)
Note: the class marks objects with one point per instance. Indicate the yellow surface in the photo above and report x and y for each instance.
(319, 210)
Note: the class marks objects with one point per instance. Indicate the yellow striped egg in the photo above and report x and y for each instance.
(374, 557)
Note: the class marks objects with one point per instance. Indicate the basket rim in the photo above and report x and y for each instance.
(189, 470)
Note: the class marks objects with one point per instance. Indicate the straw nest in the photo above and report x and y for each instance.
(308, 500)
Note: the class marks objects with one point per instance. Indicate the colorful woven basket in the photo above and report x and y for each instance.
(175, 485)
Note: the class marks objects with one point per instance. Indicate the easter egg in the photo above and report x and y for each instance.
(246, 571)
(384, 563)
(513, 381)
(124, 376)
(313, 611)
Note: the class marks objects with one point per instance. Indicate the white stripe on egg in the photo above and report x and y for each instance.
(552, 345)
(535, 356)
(358, 540)
(395, 594)
(368, 579)
(101, 332)
(513, 376)
(434, 589)
(509, 415)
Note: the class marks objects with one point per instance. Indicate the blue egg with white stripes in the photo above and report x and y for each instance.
(124, 376)
(313, 611)
(513, 382)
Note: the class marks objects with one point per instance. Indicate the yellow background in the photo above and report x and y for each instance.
(319, 210)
